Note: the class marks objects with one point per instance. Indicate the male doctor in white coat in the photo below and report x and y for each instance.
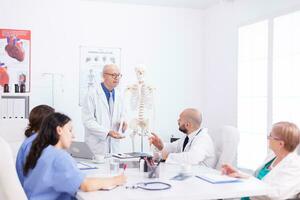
(196, 148)
(103, 113)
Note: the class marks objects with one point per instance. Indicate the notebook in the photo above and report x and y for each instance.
(84, 166)
(217, 178)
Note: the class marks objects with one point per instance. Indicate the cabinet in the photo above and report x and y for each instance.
(14, 105)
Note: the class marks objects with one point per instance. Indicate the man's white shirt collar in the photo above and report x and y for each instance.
(193, 134)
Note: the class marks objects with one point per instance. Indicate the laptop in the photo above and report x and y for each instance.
(81, 150)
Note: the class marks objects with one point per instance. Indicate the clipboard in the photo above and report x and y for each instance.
(218, 179)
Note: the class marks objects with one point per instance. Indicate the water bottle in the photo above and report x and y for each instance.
(6, 88)
(17, 88)
(22, 88)
(142, 164)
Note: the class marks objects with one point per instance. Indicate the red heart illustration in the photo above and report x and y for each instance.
(4, 77)
(14, 48)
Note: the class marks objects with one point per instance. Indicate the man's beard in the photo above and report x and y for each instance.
(183, 129)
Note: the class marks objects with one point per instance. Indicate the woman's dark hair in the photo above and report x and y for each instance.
(47, 136)
(36, 116)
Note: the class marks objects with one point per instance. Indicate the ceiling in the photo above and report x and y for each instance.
(197, 4)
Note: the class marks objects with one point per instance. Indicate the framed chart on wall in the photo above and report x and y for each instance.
(92, 61)
(15, 58)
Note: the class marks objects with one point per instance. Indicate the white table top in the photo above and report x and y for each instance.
(191, 188)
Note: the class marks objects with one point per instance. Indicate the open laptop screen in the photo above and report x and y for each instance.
(81, 150)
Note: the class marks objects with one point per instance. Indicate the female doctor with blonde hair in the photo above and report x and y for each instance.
(281, 169)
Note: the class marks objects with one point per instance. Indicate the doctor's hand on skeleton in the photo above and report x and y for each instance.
(116, 135)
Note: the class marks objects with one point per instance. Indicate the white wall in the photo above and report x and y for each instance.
(168, 40)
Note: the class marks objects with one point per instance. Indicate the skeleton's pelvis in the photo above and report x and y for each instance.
(139, 124)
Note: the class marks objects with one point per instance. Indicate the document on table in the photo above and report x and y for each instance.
(217, 178)
(84, 166)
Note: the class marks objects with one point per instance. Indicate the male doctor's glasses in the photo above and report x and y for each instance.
(114, 75)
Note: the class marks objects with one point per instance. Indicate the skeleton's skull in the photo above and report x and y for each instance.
(140, 73)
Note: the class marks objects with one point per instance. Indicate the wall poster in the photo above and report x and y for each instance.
(15, 59)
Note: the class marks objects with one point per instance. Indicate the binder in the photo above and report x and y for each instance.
(4, 106)
(19, 108)
(10, 108)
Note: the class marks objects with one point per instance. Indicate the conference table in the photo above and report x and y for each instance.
(192, 188)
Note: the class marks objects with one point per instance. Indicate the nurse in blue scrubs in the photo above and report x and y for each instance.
(36, 116)
(50, 172)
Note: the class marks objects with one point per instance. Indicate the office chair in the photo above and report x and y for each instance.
(227, 148)
(10, 186)
(297, 197)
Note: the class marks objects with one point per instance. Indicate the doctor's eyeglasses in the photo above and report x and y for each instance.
(114, 75)
(270, 136)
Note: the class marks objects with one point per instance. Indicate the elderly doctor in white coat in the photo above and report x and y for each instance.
(281, 170)
(196, 148)
(103, 113)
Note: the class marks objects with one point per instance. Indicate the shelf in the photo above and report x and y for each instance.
(15, 94)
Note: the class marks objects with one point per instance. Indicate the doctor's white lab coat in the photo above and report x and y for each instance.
(284, 178)
(98, 122)
(198, 151)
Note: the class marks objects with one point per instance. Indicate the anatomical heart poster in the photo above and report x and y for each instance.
(15, 60)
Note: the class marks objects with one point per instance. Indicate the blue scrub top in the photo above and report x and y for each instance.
(22, 154)
(55, 176)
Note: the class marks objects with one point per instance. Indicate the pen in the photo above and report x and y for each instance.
(154, 169)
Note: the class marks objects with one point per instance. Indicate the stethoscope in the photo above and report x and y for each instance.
(151, 186)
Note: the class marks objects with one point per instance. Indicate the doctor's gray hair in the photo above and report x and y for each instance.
(106, 67)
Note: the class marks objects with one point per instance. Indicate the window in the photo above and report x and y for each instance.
(268, 82)
(252, 92)
(286, 68)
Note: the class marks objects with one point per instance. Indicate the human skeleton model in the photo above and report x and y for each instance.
(91, 78)
(141, 103)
